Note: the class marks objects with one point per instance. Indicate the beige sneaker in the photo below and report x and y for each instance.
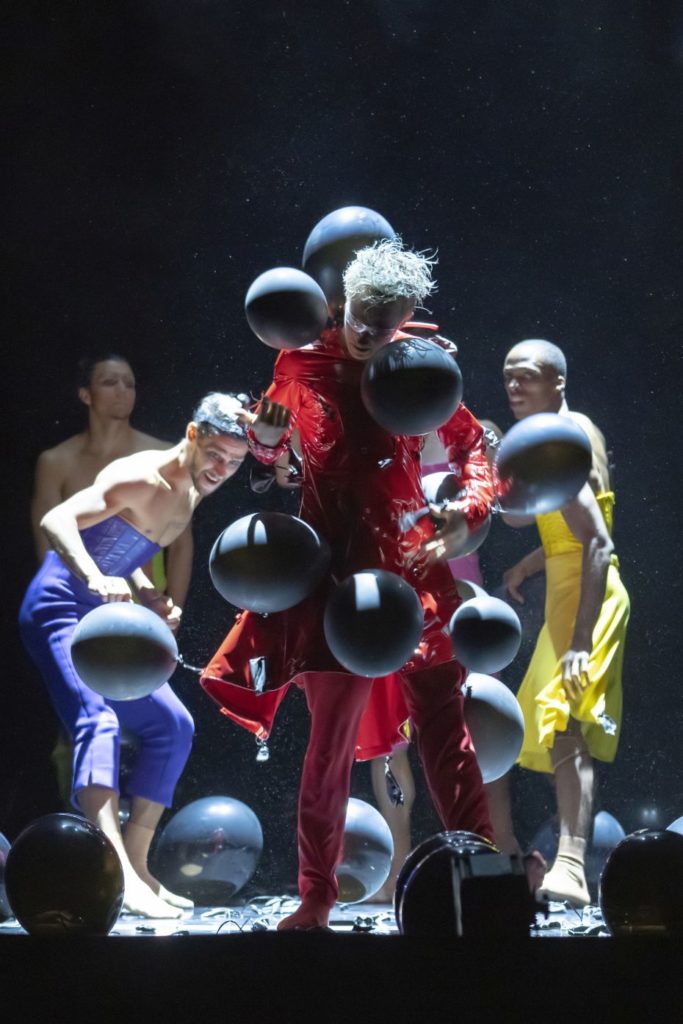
(566, 880)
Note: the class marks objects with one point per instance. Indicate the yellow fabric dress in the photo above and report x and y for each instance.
(541, 695)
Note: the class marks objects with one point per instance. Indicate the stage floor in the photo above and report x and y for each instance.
(263, 914)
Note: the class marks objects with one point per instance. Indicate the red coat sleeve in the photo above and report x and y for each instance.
(287, 391)
(463, 438)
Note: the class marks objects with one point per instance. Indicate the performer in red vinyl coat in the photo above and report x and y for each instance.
(358, 483)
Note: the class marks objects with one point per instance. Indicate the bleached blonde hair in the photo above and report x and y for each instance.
(387, 271)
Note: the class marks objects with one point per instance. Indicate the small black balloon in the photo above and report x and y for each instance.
(333, 243)
(541, 464)
(268, 562)
(366, 855)
(640, 886)
(286, 308)
(373, 622)
(423, 899)
(123, 651)
(495, 722)
(486, 634)
(63, 876)
(209, 849)
(411, 386)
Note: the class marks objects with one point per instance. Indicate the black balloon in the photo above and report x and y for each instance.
(209, 850)
(64, 876)
(333, 242)
(640, 887)
(486, 634)
(541, 464)
(411, 386)
(439, 488)
(424, 901)
(495, 722)
(5, 909)
(123, 651)
(373, 622)
(268, 562)
(367, 853)
(286, 308)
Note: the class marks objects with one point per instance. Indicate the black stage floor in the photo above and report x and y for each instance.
(228, 964)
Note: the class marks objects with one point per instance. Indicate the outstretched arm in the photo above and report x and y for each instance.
(531, 564)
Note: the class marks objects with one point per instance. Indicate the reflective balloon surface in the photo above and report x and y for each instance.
(286, 308)
(486, 634)
(268, 562)
(496, 724)
(209, 850)
(411, 386)
(367, 855)
(640, 887)
(64, 876)
(541, 464)
(333, 243)
(373, 622)
(123, 651)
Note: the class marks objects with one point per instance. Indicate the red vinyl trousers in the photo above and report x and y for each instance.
(336, 702)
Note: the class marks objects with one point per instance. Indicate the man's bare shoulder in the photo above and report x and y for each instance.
(64, 453)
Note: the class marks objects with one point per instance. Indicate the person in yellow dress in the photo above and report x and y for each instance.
(571, 693)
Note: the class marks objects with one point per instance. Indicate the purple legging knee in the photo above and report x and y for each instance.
(54, 604)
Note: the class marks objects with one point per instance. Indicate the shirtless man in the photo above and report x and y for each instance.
(99, 539)
(107, 388)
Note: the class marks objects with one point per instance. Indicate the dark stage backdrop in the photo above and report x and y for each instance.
(165, 153)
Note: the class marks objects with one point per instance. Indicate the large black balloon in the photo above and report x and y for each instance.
(367, 853)
(541, 464)
(268, 562)
(641, 886)
(486, 634)
(123, 651)
(209, 850)
(286, 308)
(373, 622)
(411, 386)
(5, 909)
(334, 241)
(424, 898)
(63, 875)
(495, 722)
(441, 487)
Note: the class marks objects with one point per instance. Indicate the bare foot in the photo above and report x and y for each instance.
(309, 915)
(139, 899)
(161, 891)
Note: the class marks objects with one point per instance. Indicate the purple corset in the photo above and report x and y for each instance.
(116, 547)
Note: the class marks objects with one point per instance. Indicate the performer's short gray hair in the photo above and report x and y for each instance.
(551, 355)
(387, 271)
(217, 414)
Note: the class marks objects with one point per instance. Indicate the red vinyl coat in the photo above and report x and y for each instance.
(358, 481)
